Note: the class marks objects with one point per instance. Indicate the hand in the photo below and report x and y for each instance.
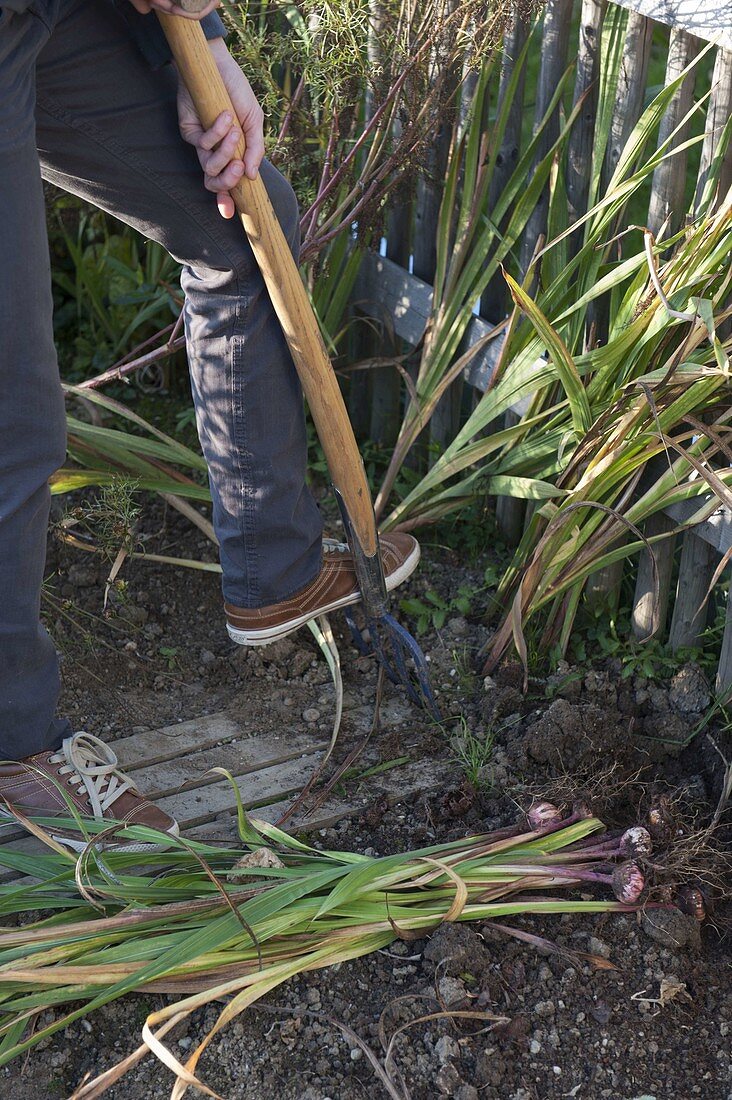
(217, 146)
(146, 6)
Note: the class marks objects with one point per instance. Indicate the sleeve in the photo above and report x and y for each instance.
(148, 34)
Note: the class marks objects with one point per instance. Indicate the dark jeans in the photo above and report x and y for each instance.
(79, 106)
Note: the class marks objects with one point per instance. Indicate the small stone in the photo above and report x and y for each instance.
(601, 1012)
(458, 625)
(689, 691)
(448, 1080)
(451, 990)
(311, 715)
(356, 1054)
(301, 661)
(671, 928)
(207, 657)
(467, 1092)
(446, 1048)
(598, 947)
(534, 1047)
(185, 1042)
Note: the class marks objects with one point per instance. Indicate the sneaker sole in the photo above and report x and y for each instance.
(133, 846)
(274, 633)
(78, 845)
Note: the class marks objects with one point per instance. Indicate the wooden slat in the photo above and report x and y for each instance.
(510, 511)
(669, 178)
(631, 91)
(554, 49)
(214, 819)
(579, 150)
(493, 302)
(724, 669)
(718, 111)
(707, 19)
(383, 289)
(142, 750)
(648, 619)
(716, 531)
(695, 573)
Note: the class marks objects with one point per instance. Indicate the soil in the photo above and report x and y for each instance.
(655, 1026)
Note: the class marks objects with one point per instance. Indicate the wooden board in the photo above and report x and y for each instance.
(173, 767)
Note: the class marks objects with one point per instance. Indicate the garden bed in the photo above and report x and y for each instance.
(656, 1025)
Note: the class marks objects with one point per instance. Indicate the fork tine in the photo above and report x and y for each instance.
(393, 647)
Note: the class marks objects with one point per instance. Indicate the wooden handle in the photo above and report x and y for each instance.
(197, 67)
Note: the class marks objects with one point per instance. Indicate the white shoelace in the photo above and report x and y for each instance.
(332, 546)
(92, 767)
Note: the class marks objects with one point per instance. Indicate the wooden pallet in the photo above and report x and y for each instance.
(173, 766)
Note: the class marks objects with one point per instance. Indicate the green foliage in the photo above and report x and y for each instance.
(111, 516)
(355, 100)
(170, 654)
(213, 923)
(112, 289)
(434, 610)
(474, 752)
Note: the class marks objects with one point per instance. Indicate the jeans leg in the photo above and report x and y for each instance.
(108, 131)
(32, 422)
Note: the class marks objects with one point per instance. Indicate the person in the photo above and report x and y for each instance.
(90, 101)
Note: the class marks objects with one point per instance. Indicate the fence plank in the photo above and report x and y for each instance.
(579, 150)
(648, 619)
(631, 89)
(554, 48)
(695, 573)
(385, 290)
(493, 302)
(669, 179)
(718, 111)
(724, 670)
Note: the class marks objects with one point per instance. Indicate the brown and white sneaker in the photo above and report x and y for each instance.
(335, 586)
(86, 770)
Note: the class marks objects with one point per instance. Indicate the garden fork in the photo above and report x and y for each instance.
(394, 647)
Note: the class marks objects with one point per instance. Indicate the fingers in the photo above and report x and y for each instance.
(227, 179)
(173, 9)
(222, 153)
(225, 204)
(254, 142)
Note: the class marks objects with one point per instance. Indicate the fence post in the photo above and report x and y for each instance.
(718, 111)
(554, 48)
(667, 192)
(648, 619)
(695, 574)
(631, 89)
(665, 207)
(579, 150)
(493, 302)
(724, 669)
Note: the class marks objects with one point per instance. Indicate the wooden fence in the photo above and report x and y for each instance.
(387, 291)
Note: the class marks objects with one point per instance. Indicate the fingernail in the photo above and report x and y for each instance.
(237, 169)
(227, 117)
